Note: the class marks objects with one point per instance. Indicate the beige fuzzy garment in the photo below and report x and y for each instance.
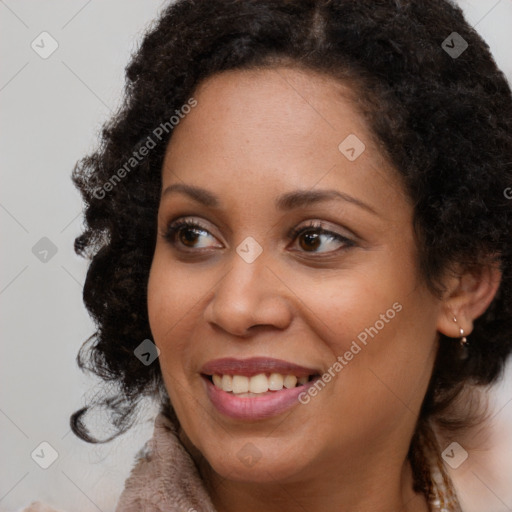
(164, 478)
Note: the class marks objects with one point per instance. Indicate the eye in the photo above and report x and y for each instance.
(314, 235)
(187, 233)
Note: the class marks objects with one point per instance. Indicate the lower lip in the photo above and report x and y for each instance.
(255, 408)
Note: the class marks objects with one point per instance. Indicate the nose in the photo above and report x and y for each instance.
(249, 295)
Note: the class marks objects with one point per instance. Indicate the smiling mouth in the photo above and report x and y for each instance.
(258, 385)
(256, 388)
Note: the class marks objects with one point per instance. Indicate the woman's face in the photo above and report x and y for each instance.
(266, 153)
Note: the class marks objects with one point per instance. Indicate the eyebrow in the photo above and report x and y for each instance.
(285, 202)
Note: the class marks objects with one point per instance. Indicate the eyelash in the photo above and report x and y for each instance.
(174, 228)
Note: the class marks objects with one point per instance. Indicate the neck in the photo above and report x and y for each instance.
(379, 490)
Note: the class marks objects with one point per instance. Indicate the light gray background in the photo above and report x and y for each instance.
(51, 111)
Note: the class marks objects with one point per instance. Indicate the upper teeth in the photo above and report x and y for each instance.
(258, 383)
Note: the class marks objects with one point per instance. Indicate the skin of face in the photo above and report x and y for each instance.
(253, 136)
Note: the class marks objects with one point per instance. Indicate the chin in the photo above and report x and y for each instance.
(256, 462)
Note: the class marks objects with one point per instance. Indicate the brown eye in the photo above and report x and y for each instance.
(311, 241)
(187, 234)
(314, 236)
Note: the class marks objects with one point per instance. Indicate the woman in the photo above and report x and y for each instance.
(300, 241)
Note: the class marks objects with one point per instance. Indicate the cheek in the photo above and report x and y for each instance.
(343, 306)
(171, 297)
(380, 321)
(172, 294)
(168, 305)
(384, 331)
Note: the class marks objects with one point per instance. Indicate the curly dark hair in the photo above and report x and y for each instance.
(444, 120)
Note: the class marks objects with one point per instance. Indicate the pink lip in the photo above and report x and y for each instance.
(255, 408)
(255, 365)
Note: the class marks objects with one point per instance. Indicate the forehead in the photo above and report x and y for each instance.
(282, 126)
(288, 100)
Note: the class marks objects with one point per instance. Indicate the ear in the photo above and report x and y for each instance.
(467, 296)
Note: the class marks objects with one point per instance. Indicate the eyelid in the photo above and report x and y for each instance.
(186, 220)
(316, 225)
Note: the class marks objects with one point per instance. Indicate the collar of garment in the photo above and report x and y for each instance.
(164, 477)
